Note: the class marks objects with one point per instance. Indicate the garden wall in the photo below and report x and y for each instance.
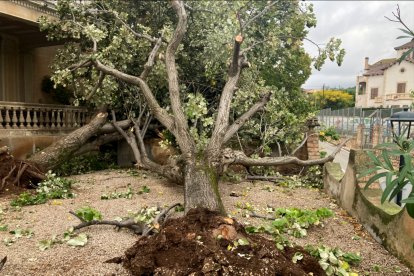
(388, 223)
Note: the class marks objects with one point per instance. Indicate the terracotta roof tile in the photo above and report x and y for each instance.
(407, 45)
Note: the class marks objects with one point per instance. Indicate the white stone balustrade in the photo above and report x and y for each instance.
(15, 115)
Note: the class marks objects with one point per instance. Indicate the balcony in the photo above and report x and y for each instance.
(398, 96)
(16, 117)
(379, 99)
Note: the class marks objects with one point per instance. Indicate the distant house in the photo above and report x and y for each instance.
(387, 83)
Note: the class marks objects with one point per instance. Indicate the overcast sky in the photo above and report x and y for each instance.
(364, 32)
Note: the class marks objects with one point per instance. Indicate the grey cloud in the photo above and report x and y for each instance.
(364, 31)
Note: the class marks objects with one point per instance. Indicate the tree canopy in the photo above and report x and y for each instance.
(203, 69)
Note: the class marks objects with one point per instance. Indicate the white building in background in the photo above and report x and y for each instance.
(387, 83)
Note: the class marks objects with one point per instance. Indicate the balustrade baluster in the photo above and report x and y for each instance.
(21, 118)
(53, 120)
(64, 111)
(1, 118)
(47, 120)
(35, 121)
(28, 118)
(78, 119)
(14, 118)
(7, 120)
(58, 120)
(69, 118)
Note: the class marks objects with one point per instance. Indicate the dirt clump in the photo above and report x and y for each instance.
(205, 243)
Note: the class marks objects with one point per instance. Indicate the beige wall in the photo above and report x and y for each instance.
(374, 82)
(22, 71)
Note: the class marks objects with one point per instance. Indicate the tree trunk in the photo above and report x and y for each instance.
(64, 148)
(201, 188)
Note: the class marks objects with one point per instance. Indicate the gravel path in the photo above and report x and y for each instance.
(25, 258)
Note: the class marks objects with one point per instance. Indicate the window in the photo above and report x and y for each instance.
(362, 86)
(400, 87)
(374, 93)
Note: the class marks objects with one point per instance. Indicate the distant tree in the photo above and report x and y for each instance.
(335, 99)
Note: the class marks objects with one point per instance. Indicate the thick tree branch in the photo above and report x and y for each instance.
(159, 113)
(222, 120)
(66, 146)
(184, 139)
(239, 158)
(245, 117)
(95, 144)
(109, 128)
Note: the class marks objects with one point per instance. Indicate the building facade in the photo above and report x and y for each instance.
(388, 82)
(30, 119)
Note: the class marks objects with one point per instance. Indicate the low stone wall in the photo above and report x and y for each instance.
(388, 223)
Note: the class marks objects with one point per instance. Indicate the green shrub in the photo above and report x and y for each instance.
(87, 163)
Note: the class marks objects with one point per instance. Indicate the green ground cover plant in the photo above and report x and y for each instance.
(52, 187)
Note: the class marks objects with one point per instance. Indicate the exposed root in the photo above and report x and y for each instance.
(17, 172)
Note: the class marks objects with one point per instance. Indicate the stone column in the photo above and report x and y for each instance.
(376, 134)
(313, 139)
(359, 136)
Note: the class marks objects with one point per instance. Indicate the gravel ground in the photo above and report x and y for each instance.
(25, 258)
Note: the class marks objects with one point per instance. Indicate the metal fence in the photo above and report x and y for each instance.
(346, 121)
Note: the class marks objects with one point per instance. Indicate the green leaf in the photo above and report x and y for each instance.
(411, 34)
(403, 36)
(408, 200)
(376, 161)
(368, 171)
(89, 214)
(45, 244)
(375, 178)
(3, 227)
(405, 55)
(387, 160)
(79, 240)
(390, 185)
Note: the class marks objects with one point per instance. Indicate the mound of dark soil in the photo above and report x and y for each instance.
(17, 174)
(203, 243)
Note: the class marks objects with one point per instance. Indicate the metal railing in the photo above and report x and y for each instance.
(346, 121)
(16, 115)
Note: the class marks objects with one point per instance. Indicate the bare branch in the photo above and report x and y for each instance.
(301, 144)
(137, 227)
(239, 158)
(399, 20)
(97, 85)
(245, 117)
(150, 62)
(260, 14)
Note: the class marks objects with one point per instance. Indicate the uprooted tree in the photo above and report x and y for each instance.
(202, 69)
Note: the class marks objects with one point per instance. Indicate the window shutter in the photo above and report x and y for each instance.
(401, 88)
(374, 93)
